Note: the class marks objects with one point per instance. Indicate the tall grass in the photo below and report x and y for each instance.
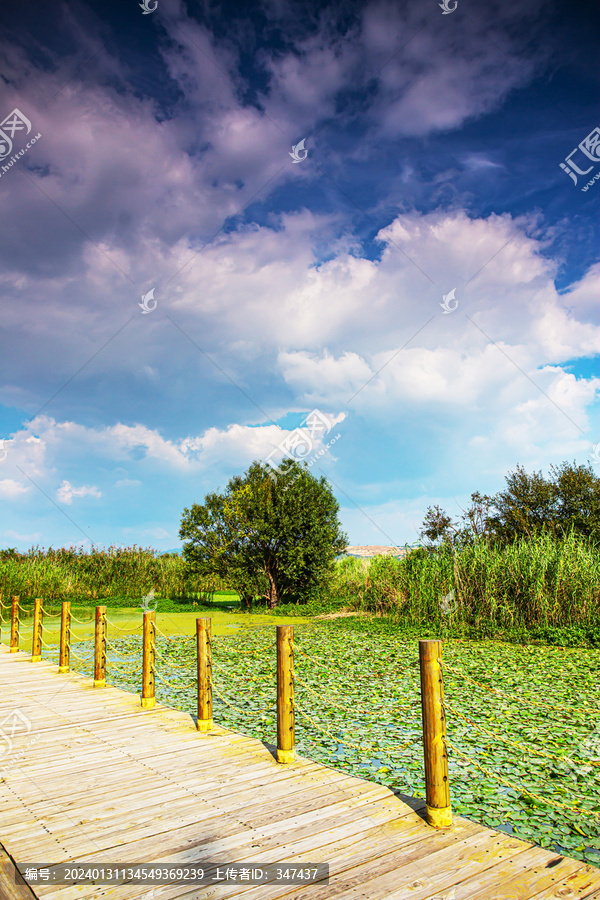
(541, 581)
(116, 572)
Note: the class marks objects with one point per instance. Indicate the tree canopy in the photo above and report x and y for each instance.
(270, 537)
(568, 499)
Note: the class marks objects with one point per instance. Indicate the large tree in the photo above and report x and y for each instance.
(271, 537)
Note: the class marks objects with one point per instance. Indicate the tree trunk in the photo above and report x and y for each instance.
(273, 597)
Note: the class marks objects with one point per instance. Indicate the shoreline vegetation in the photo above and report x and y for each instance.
(537, 589)
(357, 673)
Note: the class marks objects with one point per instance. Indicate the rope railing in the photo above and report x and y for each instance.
(162, 634)
(356, 676)
(168, 663)
(80, 658)
(543, 705)
(126, 630)
(258, 651)
(158, 664)
(518, 746)
(246, 712)
(116, 650)
(543, 801)
(82, 622)
(364, 747)
(525, 750)
(174, 687)
(51, 615)
(345, 707)
(252, 677)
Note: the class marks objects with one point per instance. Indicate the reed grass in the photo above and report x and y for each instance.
(113, 572)
(542, 581)
(536, 581)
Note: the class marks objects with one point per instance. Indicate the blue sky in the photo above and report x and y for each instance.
(431, 167)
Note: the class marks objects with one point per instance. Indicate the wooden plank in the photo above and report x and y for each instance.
(190, 846)
(522, 877)
(585, 883)
(235, 792)
(377, 845)
(129, 781)
(104, 830)
(9, 889)
(253, 846)
(350, 833)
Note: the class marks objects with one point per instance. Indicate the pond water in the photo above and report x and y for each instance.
(129, 621)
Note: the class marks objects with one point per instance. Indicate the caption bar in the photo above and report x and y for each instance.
(141, 873)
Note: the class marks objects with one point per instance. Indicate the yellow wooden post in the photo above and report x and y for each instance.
(437, 787)
(148, 659)
(204, 722)
(286, 740)
(100, 648)
(65, 637)
(36, 643)
(14, 626)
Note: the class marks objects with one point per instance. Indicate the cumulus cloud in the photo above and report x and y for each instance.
(129, 190)
(142, 449)
(66, 492)
(10, 488)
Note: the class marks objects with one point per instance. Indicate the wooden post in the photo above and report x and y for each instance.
(14, 626)
(286, 740)
(36, 643)
(204, 721)
(100, 648)
(65, 637)
(437, 787)
(148, 659)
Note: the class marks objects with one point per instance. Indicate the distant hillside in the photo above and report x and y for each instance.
(374, 550)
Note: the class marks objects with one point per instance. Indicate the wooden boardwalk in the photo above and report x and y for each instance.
(97, 779)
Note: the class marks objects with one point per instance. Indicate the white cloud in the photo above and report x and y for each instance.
(10, 488)
(34, 536)
(214, 451)
(66, 492)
